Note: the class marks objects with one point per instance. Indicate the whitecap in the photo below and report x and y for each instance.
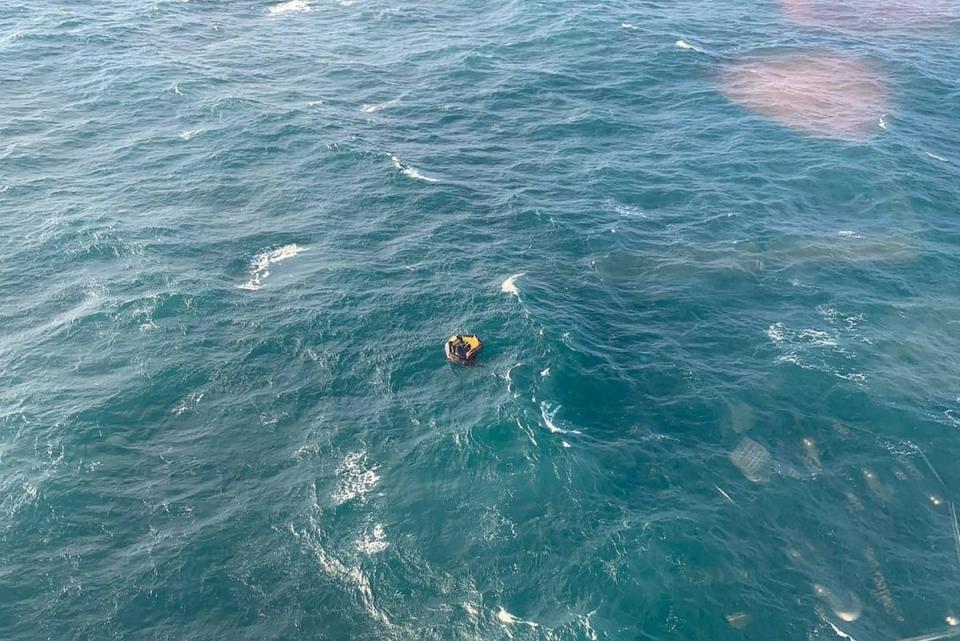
(373, 108)
(192, 400)
(545, 372)
(307, 450)
(848, 233)
(189, 133)
(882, 123)
(290, 7)
(547, 414)
(682, 44)
(509, 619)
(817, 338)
(775, 332)
(357, 478)
(176, 89)
(337, 569)
(627, 25)
(628, 210)
(411, 172)
(509, 286)
(373, 542)
(260, 267)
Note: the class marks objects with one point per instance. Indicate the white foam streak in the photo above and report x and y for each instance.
(260, 268)
(548, 414)
(290, 7)
(840, 633)
(411, 172)
(337, 569)
(509, 286)
(936, 157)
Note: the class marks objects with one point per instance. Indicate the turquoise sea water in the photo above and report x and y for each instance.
(719, 398)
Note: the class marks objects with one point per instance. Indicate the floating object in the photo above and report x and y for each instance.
(956, 528)
(739, 620)
(724, 494)
(462, 349)
(753, 460)
(846, 606)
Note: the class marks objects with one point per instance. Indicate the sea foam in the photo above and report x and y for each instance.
(373, 541)
(373, 108)
(357, 478)
(509, 286)
(260, 267)
(411, 172)
(290, 7)
(547, 413)
(681, 44)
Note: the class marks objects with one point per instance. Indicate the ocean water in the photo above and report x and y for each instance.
(719, 395)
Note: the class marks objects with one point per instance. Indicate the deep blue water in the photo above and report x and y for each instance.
(722, 402)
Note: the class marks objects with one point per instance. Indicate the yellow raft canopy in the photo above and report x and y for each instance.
(462, 348)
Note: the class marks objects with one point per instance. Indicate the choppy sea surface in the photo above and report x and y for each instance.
(720, 394)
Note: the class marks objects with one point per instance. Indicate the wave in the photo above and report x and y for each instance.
(369, 109)
(509, 619)
(335, 568)
(411, 172)
(509, 286)
(373, 542)
(290, 7)
(260, 268)
(357, 478)
(547, 414)
(682, 44)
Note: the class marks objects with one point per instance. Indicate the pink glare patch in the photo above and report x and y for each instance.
(819, 94)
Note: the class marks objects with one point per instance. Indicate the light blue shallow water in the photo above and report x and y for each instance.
(721, 404)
